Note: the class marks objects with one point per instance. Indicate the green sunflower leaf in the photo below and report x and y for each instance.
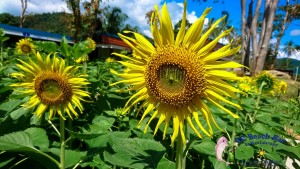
(166, 164)
(218, 164)
(134, 153)
(10, 105)
(26, 142)
(71, 157)
(244, 152)
(100, 126)
(206, 147)
(102, 140)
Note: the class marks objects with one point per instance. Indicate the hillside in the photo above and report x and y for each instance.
(288, 64)
(56, 22)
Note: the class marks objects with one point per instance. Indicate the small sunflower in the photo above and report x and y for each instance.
(176, 77)
(109, 60)
(51, 86)
(91, 43)
(245, 87)
(270, 82)
(24, 46)
(261, 153)
(282, 87)
(245, 84)
(82, 59)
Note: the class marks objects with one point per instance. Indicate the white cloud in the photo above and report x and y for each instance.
(273, 41)
(295, 32)
(136, 15)
(282, 54)
(14, 7)
(191, 17)
(135, 10)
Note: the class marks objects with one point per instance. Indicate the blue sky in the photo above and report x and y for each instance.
(136, 9)
(234, 9)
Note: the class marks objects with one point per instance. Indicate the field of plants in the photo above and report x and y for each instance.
(174, 105)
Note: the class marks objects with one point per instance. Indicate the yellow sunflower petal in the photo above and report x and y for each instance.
(194, 33)
(223, 108)
(166, 26)
(176, 126)
(181, 33)
(41, 109)
(204, 37)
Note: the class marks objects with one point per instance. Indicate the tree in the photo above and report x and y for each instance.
(24, 7)
(289, 49)
(8, 19)
(85, 24)
(74, 6)
(291, 12)
(128, 27)
(148, 16)
(259, 38)
(92, 17)
(115, 20)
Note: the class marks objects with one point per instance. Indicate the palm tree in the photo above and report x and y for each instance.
(115, 20)
(289, 49)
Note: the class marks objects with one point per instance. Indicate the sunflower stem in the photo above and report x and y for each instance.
(84, 67)
(2, 55)
(53, 126)
(233, 134)
(180, 156)
(257, 102)
(62, 142)
(203, 163)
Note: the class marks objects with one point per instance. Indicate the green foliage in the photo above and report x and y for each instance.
(6, 18)
(56, 22)
(103, 136)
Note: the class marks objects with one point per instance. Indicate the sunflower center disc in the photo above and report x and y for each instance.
(51, 88)
(175, 76)
(25, 48)
(171, 78)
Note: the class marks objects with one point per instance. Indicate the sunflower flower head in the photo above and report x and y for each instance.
(25, 46)
(109, 60)
(82, 59)
(245, 87)
(51, 85)
(176, 76)
(268, 81)
(91, 43)
(282, 87)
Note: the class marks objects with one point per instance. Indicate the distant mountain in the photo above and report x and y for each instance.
(287, 64)
(56, 22)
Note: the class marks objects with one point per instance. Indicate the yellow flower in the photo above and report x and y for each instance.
(245, 87)
(109, 60)
(261, 153)
(283, 87)
(176, 76)
(81, 59)
(51, 86)
(24, 46)
(91, 43)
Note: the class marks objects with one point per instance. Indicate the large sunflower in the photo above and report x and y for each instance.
(24, 46)
(176, 77)
(51, 85)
